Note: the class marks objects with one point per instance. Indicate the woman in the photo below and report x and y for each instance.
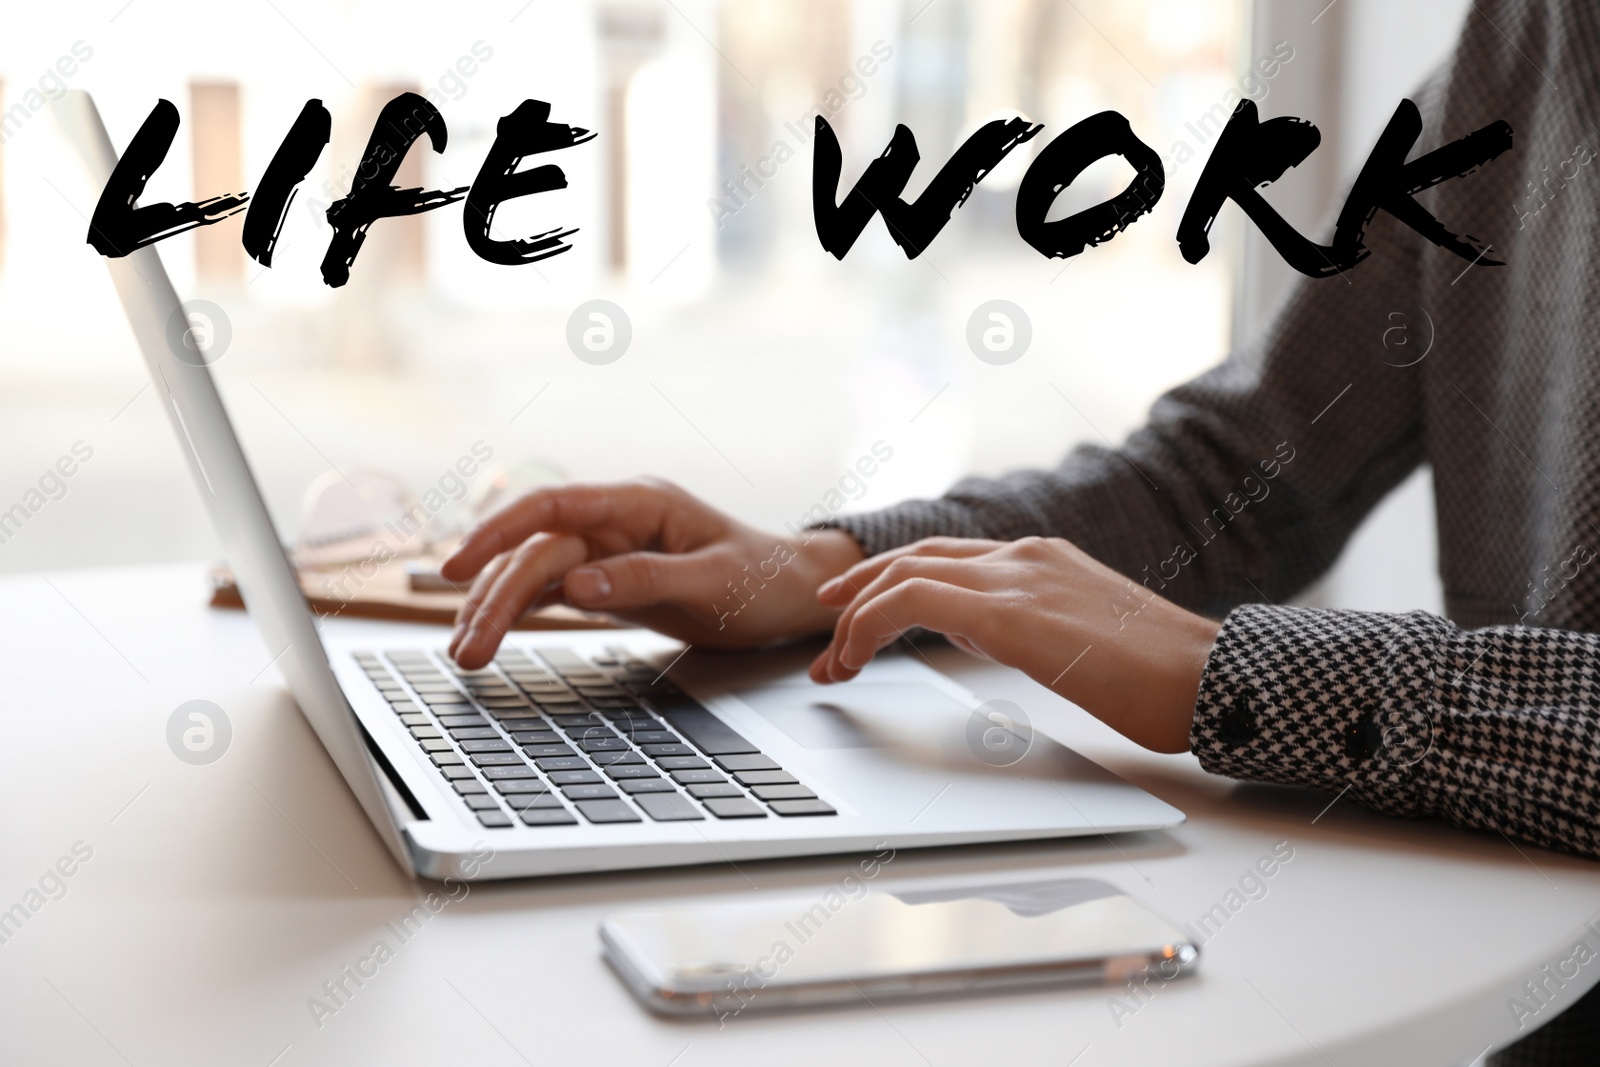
(1106, 577)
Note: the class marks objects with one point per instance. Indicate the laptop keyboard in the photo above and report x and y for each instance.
(551, 738)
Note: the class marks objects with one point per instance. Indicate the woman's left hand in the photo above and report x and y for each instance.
(1042, 605)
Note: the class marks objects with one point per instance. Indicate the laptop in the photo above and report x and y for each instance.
(605, 750)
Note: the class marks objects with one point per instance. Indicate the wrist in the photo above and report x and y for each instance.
(822, 555)
(1182, 671)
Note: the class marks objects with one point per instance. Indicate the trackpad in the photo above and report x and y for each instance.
(861, 715)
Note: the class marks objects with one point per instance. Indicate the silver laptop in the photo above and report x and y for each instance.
(581, 751)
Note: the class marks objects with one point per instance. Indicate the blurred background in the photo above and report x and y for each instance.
(759, 368)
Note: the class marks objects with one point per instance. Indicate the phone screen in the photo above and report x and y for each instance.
(838, 945)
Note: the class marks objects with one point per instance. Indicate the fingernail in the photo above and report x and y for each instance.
(829, 587)
(589, 584)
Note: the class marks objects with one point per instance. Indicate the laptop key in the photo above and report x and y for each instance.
(562, 763)
(696, 777)
(481, 802)
(765, 778)
(544, 751)
(603, 744)
(424, 732)
(665, 749)
(494, 819)
(417, 719)
(612, 759)
(494, 744)
(682, 763)
(734, 808)
(458, 772)
(522, 785)
(755, 762)
(547, 817)
(473, 733)
(469, 785)
(405, 707)
(521, 770)
(434, 744)
(802, 807)
(707, 790)
(783, 792)
(704, 730)
(535, 802)
(608, 811)
(445, 759)
(451, 722)
(654, 737)
(668, 807)
(589, 792)
(575, 778)
(647, 785)
(631, 770)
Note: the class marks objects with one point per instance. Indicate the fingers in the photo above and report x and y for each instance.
(540, 560)
(648, 579)
(566, 508)
(847, 586)
(900, 570)
(934, 605)
(475, 597)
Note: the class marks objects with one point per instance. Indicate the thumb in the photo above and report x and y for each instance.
(635, 580)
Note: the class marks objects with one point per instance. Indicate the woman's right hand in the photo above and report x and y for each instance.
(649, 554)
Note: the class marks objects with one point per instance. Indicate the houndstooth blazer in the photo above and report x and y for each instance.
(1246, 483)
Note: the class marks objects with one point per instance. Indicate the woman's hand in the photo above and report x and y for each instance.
(648, 553)
(1111, 646)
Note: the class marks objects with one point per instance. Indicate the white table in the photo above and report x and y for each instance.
(218, 899)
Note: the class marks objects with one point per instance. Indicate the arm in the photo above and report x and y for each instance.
(1245, 483)
(1495, 729)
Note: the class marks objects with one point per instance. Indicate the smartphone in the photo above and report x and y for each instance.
(854, 941)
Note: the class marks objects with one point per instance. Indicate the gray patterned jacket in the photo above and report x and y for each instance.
(1248, 480)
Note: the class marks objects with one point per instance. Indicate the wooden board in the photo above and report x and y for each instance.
(388, 595)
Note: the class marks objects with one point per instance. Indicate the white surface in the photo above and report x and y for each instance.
(220, 898)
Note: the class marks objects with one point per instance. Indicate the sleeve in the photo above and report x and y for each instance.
(1494, 729)
(1247, 481)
